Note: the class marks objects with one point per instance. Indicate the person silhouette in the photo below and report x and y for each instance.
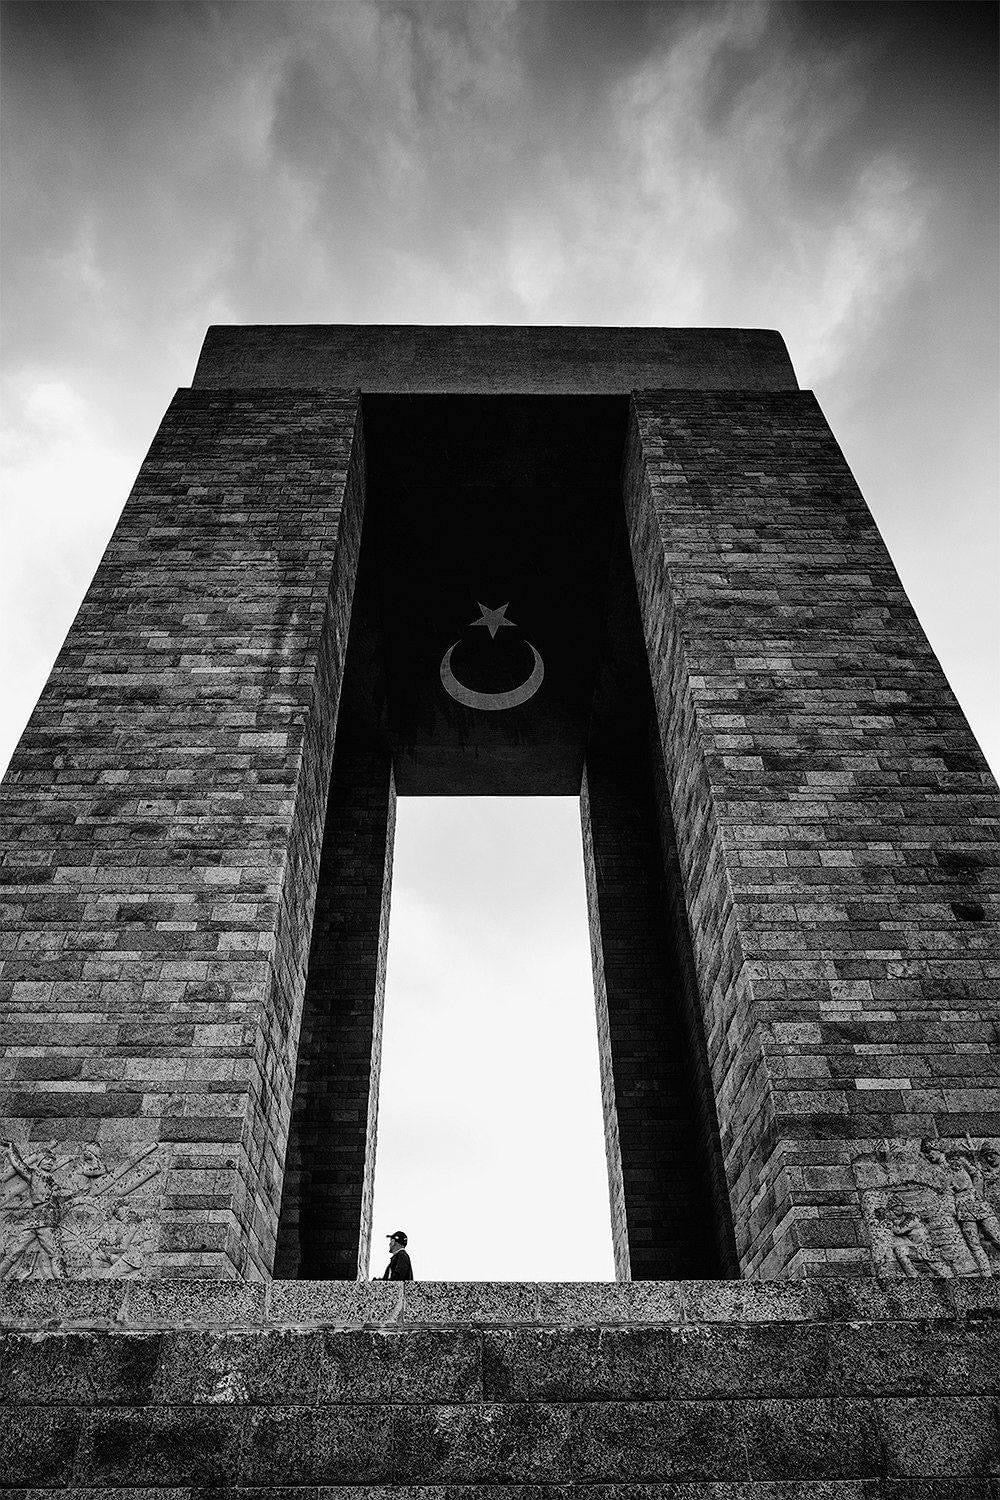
(399, 1267)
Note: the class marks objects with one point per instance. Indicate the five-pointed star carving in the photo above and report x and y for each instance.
(493, 619)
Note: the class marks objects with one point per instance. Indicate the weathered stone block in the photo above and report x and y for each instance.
(75, 1369)
(940, 1436)
(824, 1439)
(276, 1367)
(35, 1304)
(162, 1304)
(470, 1301)
(337, 1304)
(658, 1440)
(158, 1445)
(478, 1444)
(425, 1365)
(910, 1358)
(604, 1302)
(38, 1445)
(279, 1447)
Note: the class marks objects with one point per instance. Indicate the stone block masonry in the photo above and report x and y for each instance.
(846, 1390)
(838, 836)
(491, 361)
(797, 979)
(326, 1203)
(162, 821)
(669, 1202)
(663, 1228)
(329, 1168)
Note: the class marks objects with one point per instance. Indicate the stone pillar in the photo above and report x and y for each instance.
(660, 1130)
(161, 830)
(837, 838)
(326, 1207)
(660, 1222)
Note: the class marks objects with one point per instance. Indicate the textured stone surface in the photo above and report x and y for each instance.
(475, 1301)
(230, 1305)
(158, 1304)
(833, 1489)
(814, 1399)
(605, 1302)
(494, 361)
(663, 1228)
(669, 1207)
(161, 824)
(326, 1203)
(429, 1365)
(343, 1303)
(837, 830)
(329, 1168)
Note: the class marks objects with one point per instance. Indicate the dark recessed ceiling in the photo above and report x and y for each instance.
(490, 501)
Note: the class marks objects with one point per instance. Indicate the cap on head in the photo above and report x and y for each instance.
(398, 1235)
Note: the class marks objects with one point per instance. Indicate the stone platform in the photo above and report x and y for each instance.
(840, 1389)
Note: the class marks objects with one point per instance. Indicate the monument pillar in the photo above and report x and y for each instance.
(837, 837)
(161, 830)
(326, 1203)
(668, 1218)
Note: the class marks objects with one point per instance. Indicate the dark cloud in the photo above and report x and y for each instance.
(592, 45)
(829, 169)
(929, 48)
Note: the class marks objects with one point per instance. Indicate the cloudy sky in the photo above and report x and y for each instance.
(826, 169)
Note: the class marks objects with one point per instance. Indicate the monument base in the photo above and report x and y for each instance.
(836, 1388)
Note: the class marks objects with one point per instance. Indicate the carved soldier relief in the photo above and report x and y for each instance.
(67, 1210)
(932, 1208)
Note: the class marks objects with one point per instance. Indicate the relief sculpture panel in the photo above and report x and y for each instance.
(932, 1207)
(77, 1208)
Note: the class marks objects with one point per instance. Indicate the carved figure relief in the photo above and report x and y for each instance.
(932, 1208)
(64, 1211)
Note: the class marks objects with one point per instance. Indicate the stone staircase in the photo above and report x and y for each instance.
(835, 1390)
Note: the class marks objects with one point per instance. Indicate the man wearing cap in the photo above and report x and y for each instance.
(399, 1268)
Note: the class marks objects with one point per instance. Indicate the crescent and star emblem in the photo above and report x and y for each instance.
(494, 620)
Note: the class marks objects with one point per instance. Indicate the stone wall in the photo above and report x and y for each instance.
(664, 1226)
(669, 1205)
(384, 359)
(837, 830)
(161, 828)
(655, 1391)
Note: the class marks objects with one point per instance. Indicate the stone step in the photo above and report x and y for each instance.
(321, 1389)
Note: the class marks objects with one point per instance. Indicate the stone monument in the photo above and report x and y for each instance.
(627, 565)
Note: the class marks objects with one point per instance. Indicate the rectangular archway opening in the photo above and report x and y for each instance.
(490, 1137)
(496, 1085)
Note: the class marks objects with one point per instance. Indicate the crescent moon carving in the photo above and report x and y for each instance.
(490, 702)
